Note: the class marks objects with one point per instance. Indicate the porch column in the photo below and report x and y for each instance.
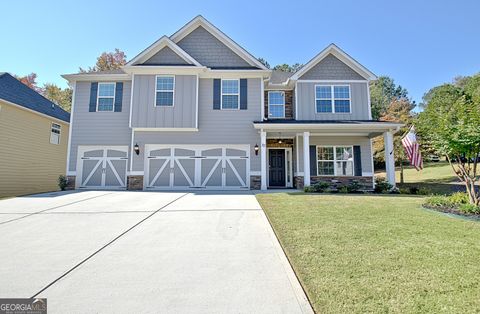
(389, 157)
(263, 160)
(306, 158)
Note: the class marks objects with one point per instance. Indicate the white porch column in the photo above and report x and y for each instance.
(389, 158)
(306, 158)
(263, 160)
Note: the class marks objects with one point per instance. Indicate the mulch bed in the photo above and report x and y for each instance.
(450, 210)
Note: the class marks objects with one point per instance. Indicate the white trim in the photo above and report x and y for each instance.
(33, 111)
(335, 160)
(166, 129)
(196, 103)
(262, 96)
(296, 100)
(164, 91)
(112, 97)
(135, 173)
(229, 94)
(53, 126)
(332, 98)
(368, 101)
(283, 94)
(263, 160)
(342, 56)
(163, 69)
(255, 173)
(131, 101)
(69, 143)
(306, 159)
(288, 166)
(297, 161)
(332, 81)
(131, 149)
(201, 21)
(96, 77)
(161, 43)
(370, 126)
(367, 174)
(208, 73)
(341, 134)
(71, 173)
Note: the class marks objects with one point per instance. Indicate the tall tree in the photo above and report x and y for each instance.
(382, 92)
(450, 121)
(58, 95)
(30, 80)
(108, 61)
(264, 62)
(288, 68)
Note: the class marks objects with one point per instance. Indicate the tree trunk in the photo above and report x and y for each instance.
(401, 171)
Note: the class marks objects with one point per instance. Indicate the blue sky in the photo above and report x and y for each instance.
(418, 43)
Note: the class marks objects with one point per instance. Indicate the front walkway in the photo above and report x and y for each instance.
(124, 252)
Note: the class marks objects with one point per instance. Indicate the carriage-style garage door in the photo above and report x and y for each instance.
(102, 167)
(214, 167)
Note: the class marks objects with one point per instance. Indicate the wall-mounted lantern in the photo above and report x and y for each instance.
(136, 148)
(256, 149)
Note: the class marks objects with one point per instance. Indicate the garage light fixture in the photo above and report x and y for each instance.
(256, 149)
(136, 148)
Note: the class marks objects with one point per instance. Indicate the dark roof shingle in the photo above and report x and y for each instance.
(14, 91)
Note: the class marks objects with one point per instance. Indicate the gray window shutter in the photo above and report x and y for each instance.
(357, 160)
(216, 93)
(243, 94)
(93, 97)
(313, 160)
(118, 97)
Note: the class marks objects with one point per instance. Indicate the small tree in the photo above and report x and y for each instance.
(451, 123)
(108, 61)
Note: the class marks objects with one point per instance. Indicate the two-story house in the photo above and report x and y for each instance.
(196, 111)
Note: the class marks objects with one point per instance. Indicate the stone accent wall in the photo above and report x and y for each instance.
(288, 104)
(70, 183)
(336, 182)
(135, 183)
(255, 182)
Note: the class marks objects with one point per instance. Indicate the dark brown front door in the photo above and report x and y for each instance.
(276, 172)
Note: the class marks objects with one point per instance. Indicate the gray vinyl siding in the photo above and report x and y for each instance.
(166, 56)
(209, 51)
(331, 68)
(306, 108)
(183, 113)
(364, 142)
(97, 128)
(215, 126)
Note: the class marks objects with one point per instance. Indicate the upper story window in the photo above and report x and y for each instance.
(332, 98)
(276, 104)
(164, 90)
(105, 96)
(230, 94)
(55, 133)
(335, 160)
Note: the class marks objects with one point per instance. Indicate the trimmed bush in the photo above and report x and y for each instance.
(319, 187)
(62, 182)
(382, 186)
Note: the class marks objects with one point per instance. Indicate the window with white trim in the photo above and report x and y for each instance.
(276, 104)
(55, 133)
(105, 96)
(332, 98)
(230, 94)
(164, 90)
(335, 161)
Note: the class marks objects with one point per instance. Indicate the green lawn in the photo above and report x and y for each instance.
(368, 253)
(438, 177)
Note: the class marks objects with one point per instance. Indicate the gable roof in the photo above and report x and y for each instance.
(280, 77)
(342, 56)
(14, 91)
(236, 48)
(163, 42)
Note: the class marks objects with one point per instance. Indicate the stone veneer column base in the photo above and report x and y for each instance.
(255, 182)
(135, 183)
(70, 183)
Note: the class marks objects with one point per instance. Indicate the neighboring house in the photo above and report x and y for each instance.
(197, 111)
(33, 139)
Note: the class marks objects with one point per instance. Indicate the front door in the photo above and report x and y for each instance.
(276, 172)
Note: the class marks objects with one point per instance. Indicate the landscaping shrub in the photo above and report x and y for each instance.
(354, 187)
(457, 201)
(344, 189)
(424, 191)
(469, 209)
(439, 201)
(62, 182)
(459, 198)
(319, 187)
(382, 186)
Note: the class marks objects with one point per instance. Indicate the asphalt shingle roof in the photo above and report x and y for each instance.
(14, 91)
(279, 77)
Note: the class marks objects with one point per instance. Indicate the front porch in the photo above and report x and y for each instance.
(301, 153)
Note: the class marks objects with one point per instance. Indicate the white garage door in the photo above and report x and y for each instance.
(197, 167)
(102, 167)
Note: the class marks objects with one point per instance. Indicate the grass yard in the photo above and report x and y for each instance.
(369, 253)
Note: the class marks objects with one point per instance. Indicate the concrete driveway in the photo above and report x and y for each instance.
(145, 252)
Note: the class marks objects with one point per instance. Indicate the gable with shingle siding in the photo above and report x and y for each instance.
(209, 51)
(331, 68)
(166, 56)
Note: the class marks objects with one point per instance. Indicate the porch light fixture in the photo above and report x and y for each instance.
(280, 141)
(256, 149)
(136, 148)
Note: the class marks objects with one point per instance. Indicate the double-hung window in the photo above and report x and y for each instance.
(335, 161)
(332, 98)
(276, 104)
(105, 96)
(55, 133)
(230, 94)
(164, 91)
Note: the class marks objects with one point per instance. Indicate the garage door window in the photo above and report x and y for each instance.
(55, 133)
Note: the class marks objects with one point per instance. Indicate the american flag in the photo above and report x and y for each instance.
(412, 149)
